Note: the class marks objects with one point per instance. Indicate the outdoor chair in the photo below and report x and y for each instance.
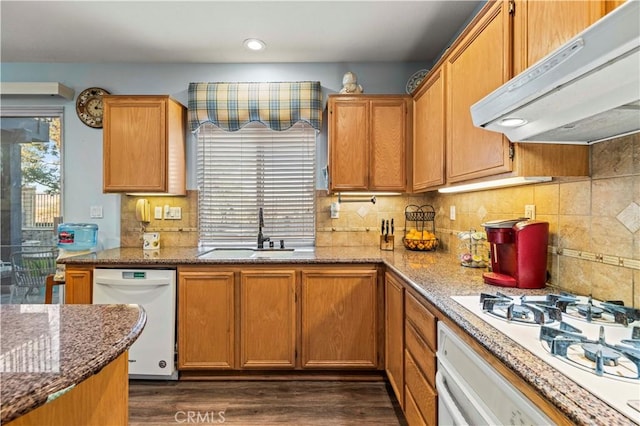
(29, 272)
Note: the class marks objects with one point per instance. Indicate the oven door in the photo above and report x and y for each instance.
(472, 392)
(448, 411)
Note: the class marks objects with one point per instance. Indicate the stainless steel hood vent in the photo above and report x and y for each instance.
(586, 91)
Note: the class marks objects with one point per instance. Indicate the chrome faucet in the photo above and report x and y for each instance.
(261, 237)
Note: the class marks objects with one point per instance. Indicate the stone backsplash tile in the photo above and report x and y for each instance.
(574, 232)
(612, 283)
(575, 198)
(617, 157)
(581, 215)
(575, 275)
(182, 232)
(609, 236)
(611, 195)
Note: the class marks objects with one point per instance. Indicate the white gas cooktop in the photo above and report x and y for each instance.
(613, 387)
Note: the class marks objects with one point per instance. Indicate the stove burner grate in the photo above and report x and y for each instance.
(568, 343)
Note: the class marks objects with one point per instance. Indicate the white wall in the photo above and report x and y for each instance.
(82, 150)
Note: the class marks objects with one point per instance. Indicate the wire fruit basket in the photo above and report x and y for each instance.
(419, 228)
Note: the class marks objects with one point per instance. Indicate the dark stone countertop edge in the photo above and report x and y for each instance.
(436, 281)
(20, 403)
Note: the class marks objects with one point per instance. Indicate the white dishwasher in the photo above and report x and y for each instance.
(152, 356)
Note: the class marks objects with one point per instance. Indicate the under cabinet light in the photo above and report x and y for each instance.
(370, 196)
(493, 184)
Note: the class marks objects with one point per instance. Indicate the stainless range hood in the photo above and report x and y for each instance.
(586, 91)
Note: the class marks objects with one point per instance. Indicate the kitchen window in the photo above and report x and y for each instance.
(255, 167)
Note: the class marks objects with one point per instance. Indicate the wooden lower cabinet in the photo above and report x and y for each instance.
(268, 318)
(78, 285)
(394, 335)
(206, 312)
(420, 358)
(420, 391)
(242, 317)
(411, 342)
(339, 318)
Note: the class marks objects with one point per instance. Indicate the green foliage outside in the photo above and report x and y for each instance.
(41, 160)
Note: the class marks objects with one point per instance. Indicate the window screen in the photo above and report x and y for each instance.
(239, 172)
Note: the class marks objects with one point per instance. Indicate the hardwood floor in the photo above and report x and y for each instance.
(263, 403)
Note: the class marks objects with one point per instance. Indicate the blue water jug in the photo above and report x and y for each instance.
(77, 236)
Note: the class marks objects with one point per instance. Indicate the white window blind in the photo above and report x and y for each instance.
(239, 172)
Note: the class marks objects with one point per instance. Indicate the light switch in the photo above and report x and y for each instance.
(95, 212)
(157, 212)
(175, 213)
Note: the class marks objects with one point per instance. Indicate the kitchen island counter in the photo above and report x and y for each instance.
(50, 351)
(436, 276)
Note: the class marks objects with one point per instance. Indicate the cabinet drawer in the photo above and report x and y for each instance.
(411, 412)
(423, 320)
(424, 396)
(423, 356)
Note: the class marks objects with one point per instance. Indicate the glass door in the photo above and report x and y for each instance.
(30, 197)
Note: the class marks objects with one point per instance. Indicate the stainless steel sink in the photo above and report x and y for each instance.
(248, 253)
(227, 253)
(273, 253)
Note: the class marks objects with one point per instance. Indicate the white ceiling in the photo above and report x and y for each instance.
(213, 31)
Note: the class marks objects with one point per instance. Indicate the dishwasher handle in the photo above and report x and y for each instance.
(119, 282)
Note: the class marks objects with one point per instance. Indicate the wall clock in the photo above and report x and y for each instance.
(89, 106)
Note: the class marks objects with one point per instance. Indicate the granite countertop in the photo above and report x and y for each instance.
(436, 276)
(48, 349)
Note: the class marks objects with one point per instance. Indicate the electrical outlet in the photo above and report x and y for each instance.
(530, 211)
(452, 212)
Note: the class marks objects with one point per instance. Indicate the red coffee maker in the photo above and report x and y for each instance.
(518, 253)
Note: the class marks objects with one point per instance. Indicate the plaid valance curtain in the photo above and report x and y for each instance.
(278, 105)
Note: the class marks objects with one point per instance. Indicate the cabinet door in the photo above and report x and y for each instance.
(205, 320)
(78, 285)
(479, 64)
(267, 319)
(387, 144)
(394, 336)
(135, 144)
(339, 328)
(546, 25)
(348, 144)
(429, 129)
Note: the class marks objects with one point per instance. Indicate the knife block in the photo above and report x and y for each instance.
(388, 244)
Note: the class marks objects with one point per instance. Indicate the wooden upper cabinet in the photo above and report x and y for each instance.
(477, 65)
(543, 26)
(367, 142)
(144, 144)
(429, 131)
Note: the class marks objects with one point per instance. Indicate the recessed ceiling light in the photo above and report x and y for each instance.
(254, 44)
